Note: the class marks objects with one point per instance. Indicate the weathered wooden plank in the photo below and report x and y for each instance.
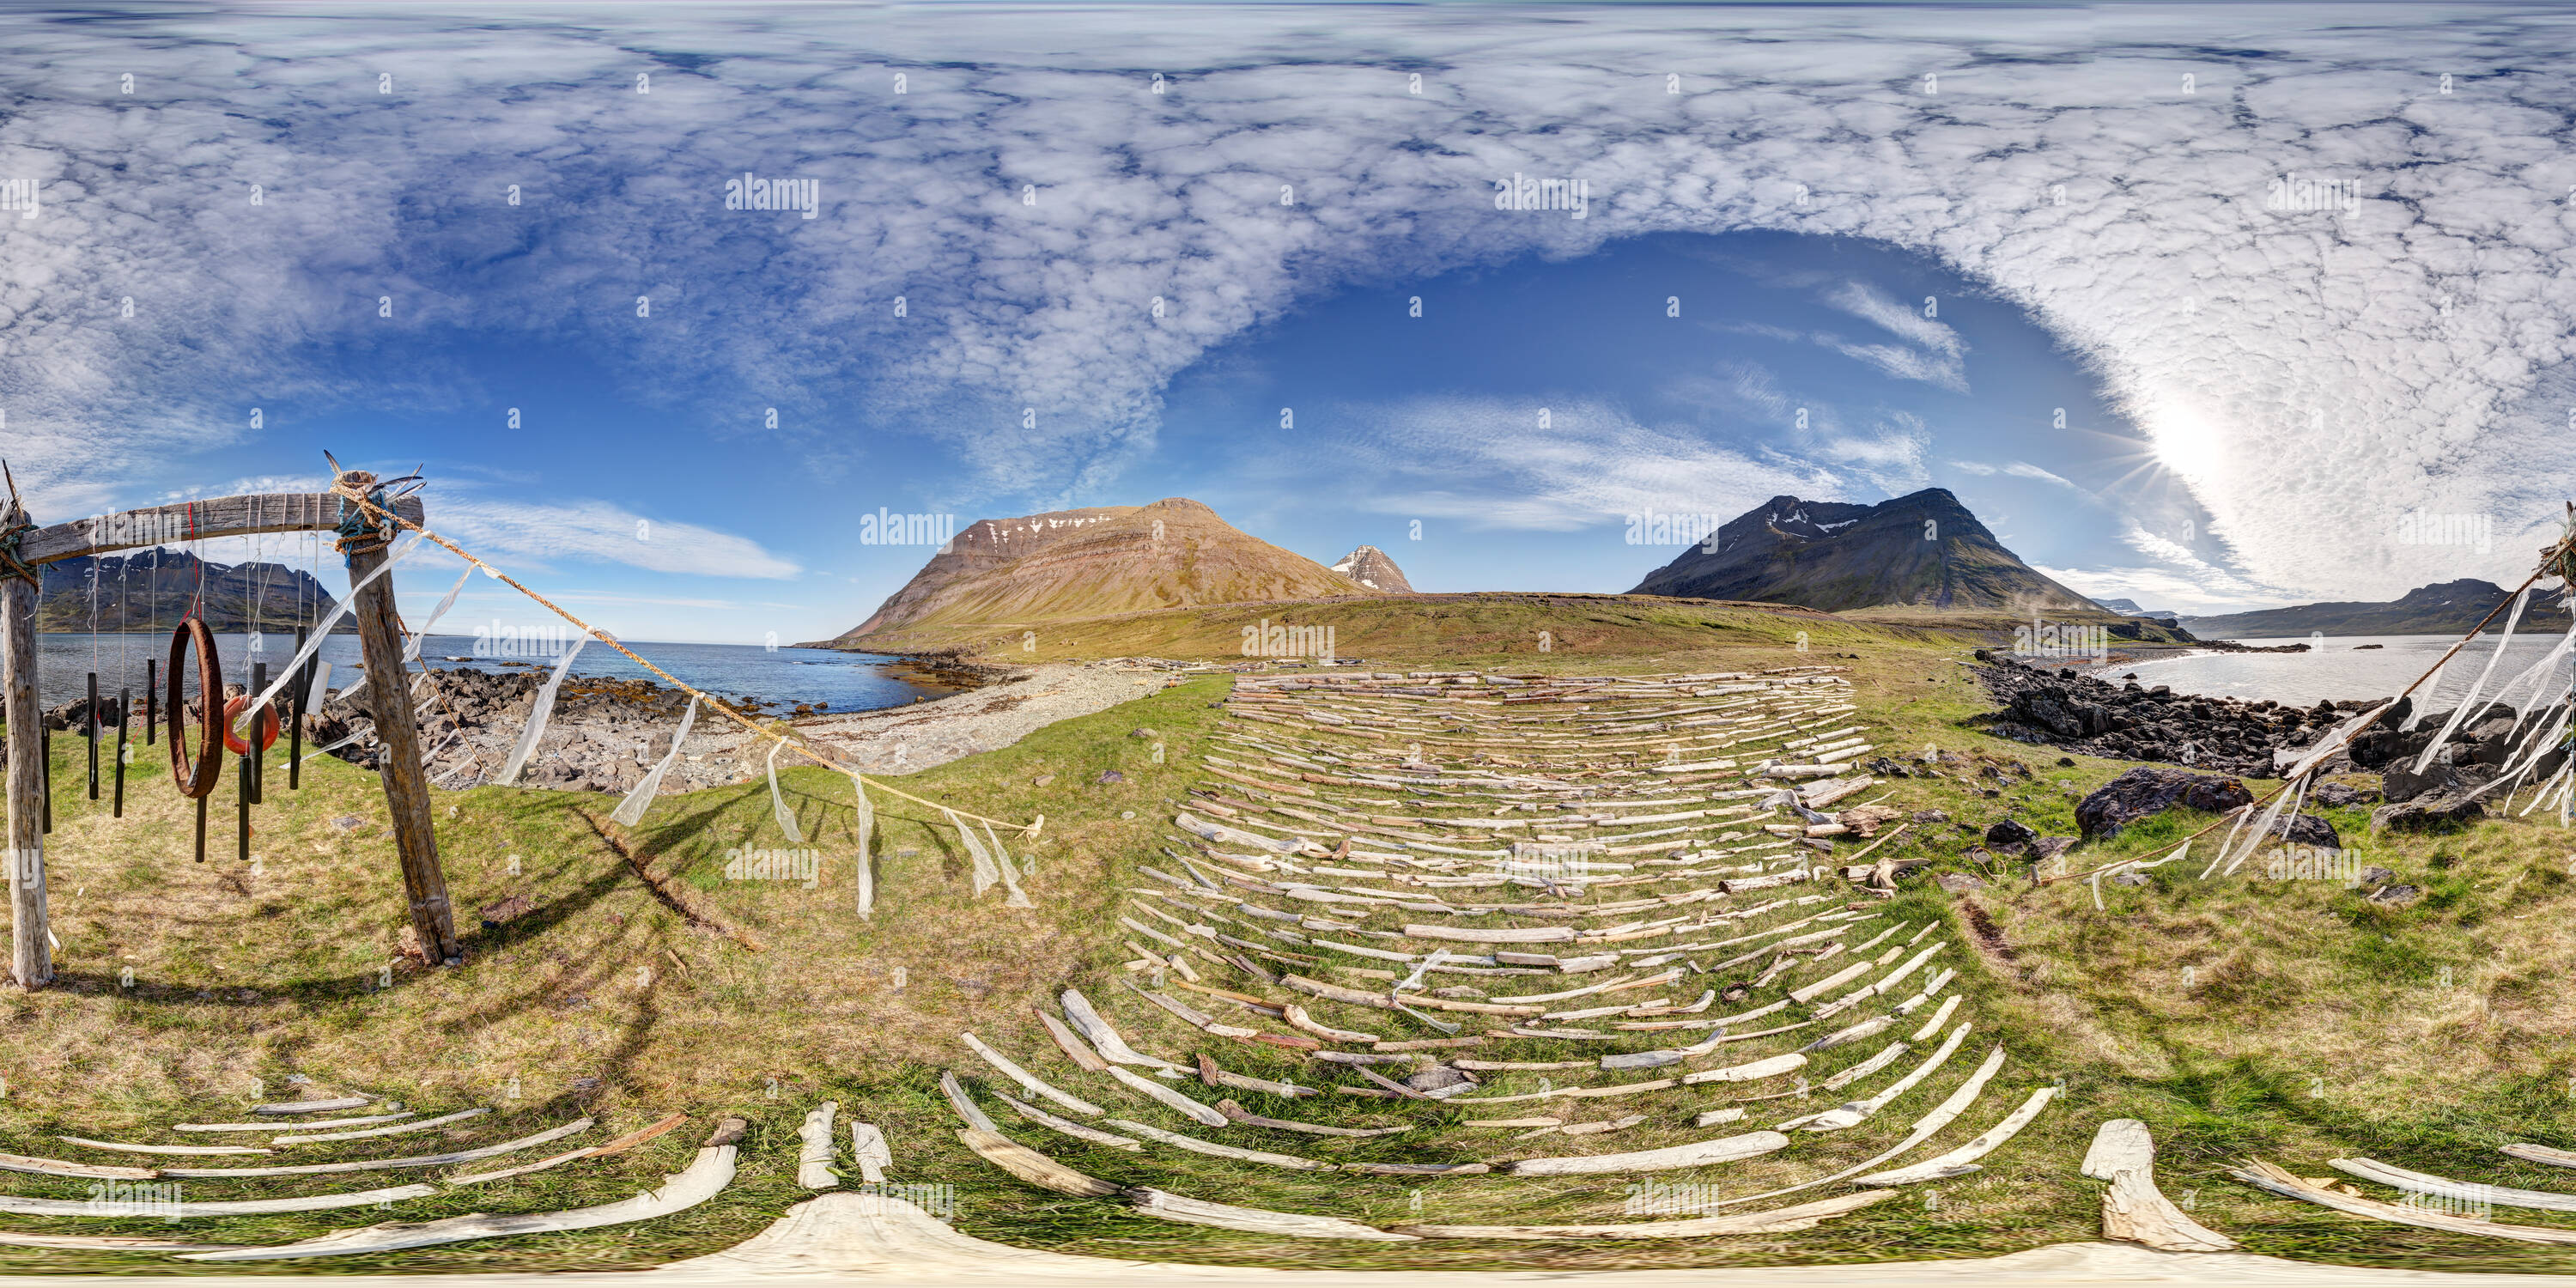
(86, 1171)
(118, 1147)
(31, 953)
(290, 1108)
(1035, 1084)
(433, 921)
(369, 1133)
(1776, 1221)
(1963, 1160)
(241, 1207)
(387, 1164)
(221, 516)
(1031, 1166)
(2264, 1176)
(1173, 1207)
(2133, 1209)
(1695, 1154)
(1214, 1150)
(369, 1121)
(814, 1158)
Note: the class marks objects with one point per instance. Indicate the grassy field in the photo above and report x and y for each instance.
(2290, 1020)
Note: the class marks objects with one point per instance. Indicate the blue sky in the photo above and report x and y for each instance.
(383, 231)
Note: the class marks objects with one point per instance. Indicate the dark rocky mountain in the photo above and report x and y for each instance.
(152, 590)
(2448, 608)
(1370, 567)
(1924, 549)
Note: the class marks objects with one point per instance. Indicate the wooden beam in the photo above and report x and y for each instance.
(164, 525)
(398, 738)
(31, 952)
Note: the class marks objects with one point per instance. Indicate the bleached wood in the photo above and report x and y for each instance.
(2264, 1176)
(2133, 1209)
(1168, 1098)
(1776, 1221)
(371, 1133)
(116, 1147)
(1214, 1150)
(1168, 1206)
(2540, 1154)
(2443, 1186)
(1065, 1125)
(87, 1171)
(816, 1150)
(1071, 1044)
(1961, 1161)
(603, 1150)
(221, 516)
(238, 1207)
(386, 1164)
(1031, 1166)
(1035, 1084)
(881, 1237)
(964, 1104)
(705, 1177)
(22, 851)
(1237, 1113)
(1696, 1154)
(315, 1126)
(292, 1108)
(104, 1243)
(1113, 1048)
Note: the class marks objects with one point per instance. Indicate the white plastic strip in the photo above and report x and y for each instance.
(411, 651)
(323, 631)
(2469, 700)
(778, 800)
(630, 811)
(537, 715)
(985, 872)
(1010, 871)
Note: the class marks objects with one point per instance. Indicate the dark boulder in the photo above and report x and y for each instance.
(2148, 790)
(2427, 814)
(2308, 830)
(2338, 795)
(2010, 832)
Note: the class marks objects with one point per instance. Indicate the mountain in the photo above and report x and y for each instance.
(1923, 549)
(152, 591)
(1073, 564)
(1370, 567)
(2129, 608)
(2449, 608)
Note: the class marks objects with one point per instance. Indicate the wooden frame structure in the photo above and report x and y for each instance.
(380, 636)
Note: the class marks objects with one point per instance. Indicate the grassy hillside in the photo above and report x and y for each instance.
(2234, 1017)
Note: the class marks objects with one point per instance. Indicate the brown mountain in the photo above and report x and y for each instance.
(2445, 608)
(1074, 564)
(1370, 567)
(1923, 549)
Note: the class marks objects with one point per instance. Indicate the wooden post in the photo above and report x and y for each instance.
(31, 949)
(398, 739)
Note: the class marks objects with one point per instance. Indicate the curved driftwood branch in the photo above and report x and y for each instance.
(384, 1164)
(1776, 1221)
(240, 1207)
(2133, 1209)
(1167, 1206)
(372, 1132)
(1961, 1161)
(1031, 1166)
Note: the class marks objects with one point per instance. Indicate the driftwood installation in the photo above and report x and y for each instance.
(1963, 1160)
(120, 1148)
(1804, 1216)
(328, 1122)
(193, 1210)
(2133, 1209)
(1167, 1206)
(704, 1178)
(2265, 1176)
(369, 1133)
(31, 955)
(1031, 1166)
(297, 1108)
(549, 1136)
(620, 1145)
(2443, 1187)
(814, 1159)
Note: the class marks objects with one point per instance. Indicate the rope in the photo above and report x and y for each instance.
(389, 519)
(10, 564)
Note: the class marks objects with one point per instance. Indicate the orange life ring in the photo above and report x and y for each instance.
(267, 727)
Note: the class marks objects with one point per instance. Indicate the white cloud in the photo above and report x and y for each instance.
(2313, 375)
(598, 532)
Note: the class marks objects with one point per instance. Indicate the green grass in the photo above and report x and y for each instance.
(2290, 1020)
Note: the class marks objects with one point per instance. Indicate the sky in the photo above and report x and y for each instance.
(2212, 308)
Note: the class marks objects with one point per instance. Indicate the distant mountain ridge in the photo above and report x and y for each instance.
(1923, 549)
(2444, 608)
(152, 591)
(1370, 567)
(1072, 564)
(2129, 607)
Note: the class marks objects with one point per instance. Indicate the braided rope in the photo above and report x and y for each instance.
(371, 504)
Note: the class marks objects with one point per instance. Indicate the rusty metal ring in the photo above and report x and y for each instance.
(198, 781)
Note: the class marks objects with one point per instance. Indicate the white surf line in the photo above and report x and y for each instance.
(705, 1177)
(372, 1132)
(384, 1164)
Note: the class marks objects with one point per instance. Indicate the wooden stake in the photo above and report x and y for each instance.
(31, 958)
(124, 721)
(89, 718)
(151, 699)
(295, 699)
(398, 739)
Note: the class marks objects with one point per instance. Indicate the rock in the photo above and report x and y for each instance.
(1144, 733)
(2049, 847)
(1439, 1076)
(1959, 882)
(2375, 875)
(1110, 776)
(2338, 795)
(2402, 783)
(2066, 762)
(2396, 896)
(2426, 814)
(2010, 832)
(348, 822)
(2146, 790)
(2128, 877)
(516, 905)
(1041, 780)
(1930, 817)
(2307, 829)
(1865, 820)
